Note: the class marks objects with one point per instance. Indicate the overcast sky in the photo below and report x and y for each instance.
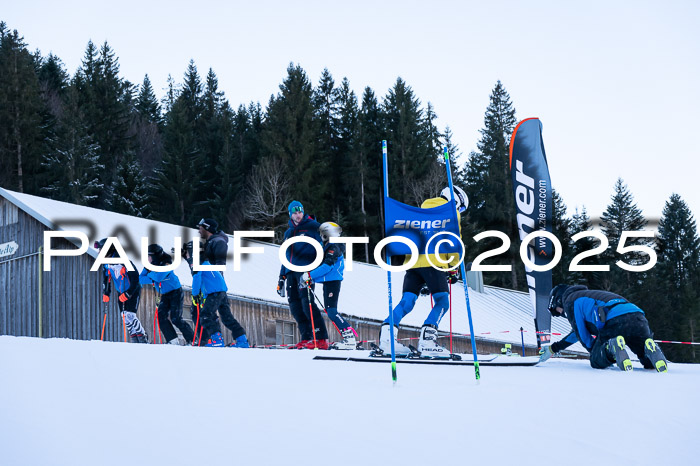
(614, 83)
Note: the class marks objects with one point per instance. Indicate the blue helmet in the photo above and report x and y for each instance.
(295, 206)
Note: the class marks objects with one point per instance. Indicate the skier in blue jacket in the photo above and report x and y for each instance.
(604, 323)
(330, 273)
(169, 301)
(209, 291)
(126, 284)
(302, 254)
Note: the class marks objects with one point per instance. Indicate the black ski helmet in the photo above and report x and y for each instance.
(556, 299)
(99, 244)
(155, 250)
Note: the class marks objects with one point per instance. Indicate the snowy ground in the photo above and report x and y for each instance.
(67, 402)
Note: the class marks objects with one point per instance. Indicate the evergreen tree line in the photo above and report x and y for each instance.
(96, 139)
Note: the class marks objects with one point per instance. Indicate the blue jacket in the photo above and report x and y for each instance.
(124, 281)
(333, 264)
(588, 311)
(165, 282)
(301, 253)
(208, 282)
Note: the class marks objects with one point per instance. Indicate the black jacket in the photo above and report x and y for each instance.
(216, 248)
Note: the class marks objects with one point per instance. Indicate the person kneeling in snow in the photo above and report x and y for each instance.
(330, 273)
(612, 319)
(169, 301)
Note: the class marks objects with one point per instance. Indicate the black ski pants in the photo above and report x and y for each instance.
(208, 319)
(299, 307)
(635, 330)
(228, 320)
(170, 313)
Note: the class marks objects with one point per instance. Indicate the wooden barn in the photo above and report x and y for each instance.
(66, 302)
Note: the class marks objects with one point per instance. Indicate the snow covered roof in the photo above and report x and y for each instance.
(497, 314)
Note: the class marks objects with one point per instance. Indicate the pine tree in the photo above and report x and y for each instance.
(106, 103)
(147, 128)
(130, 189)
(670, 295)
(581, 222)
(290, 134)
(20, 114)
(345, 178)
(408, 145)
(147, 104)
(489, 187)
(73, 163)
(368, 165)
(622, 214)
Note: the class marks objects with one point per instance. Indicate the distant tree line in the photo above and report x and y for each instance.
(98, 140)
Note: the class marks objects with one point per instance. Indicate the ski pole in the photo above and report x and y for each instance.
(311, 311)
(196, 325)
(450, 317)
(124, 322)
(522, 338)
(104, 322)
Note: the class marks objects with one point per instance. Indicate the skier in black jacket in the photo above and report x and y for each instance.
(297, 295)
(215, 251)
(604, 323)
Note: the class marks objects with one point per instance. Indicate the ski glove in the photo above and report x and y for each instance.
(545, 353)
(123, 297)
(280, 285)
(197, 299)
(424, 290)
(452, 276)
(105, 298)
(306, 278)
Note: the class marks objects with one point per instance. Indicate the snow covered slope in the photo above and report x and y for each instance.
(91, 403)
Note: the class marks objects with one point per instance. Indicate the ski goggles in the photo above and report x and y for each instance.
(295, 209)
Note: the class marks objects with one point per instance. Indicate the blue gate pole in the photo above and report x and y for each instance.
(463, 271)
(388, 273)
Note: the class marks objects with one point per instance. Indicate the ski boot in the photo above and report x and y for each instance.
(175, 341)
(139, 338)
(615, 348)
(241, 342)
(655, 356)
(427, 345)
(301, 345)
(401, 350)
(320, 344)
(349, 341)
(216, 340)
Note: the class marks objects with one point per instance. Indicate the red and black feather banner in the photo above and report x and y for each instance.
(533, 203)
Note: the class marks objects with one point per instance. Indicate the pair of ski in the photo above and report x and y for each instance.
(377, 355)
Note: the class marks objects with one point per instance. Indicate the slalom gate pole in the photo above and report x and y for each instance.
(522, 339)
(463, 270)
(311, 312)
(196, 326)
(104, 323)
(388, 273)
(451, 318)
(325, 310)
(155, 319)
